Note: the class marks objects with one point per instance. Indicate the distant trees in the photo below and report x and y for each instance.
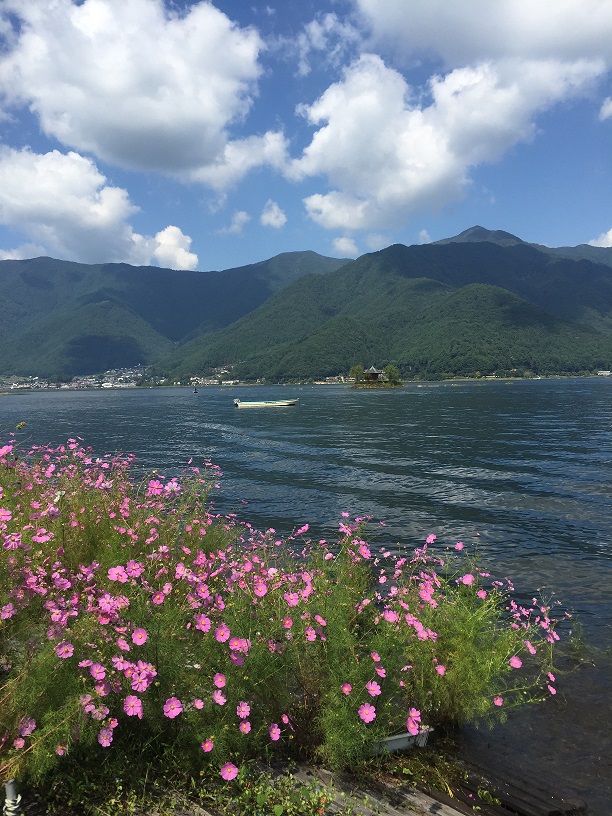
(391, 374)
(357, 373)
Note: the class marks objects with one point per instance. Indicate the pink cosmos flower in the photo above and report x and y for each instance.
(467, 579)
(64, 650)
(364, 550)
(260, 588)
(134, 569)
(551, 677)
(105, 737)
(498, 701)
(245, 726)
(292, 598)
(530, 648)
(202, 623)
(5, 515)
(219, 680)
(459, 545)
(287, 623)
(197, 703)
(218, 697)
(229, 771)
(482, 594)
(208, 745)
(373, 688)
(60, 749)
(133, 706)
(222, 633)
(552, 689)
(155, 487)
(375, 657)
(310, 633)
(27, 726)
(172, 707)
(18, 743)
(516, 662)
(117, 574)
(158, 598)
(123, 644)
(346, 688)
(412, 723)
(275, 732)
(441, 669)
(97, 671)
(380, 670)
(139, 636)
(367, 712)
(243, 710)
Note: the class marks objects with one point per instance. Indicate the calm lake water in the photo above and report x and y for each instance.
(520, 470)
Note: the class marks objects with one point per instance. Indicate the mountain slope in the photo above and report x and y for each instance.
(49, 309)
(455, 307)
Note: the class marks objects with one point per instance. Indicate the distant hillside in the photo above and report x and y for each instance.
(602, 255)
(458, 307)
(60, 319)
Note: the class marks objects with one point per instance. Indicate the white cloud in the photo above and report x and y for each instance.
(23, 252)
(239, 220)
(345, 247)
(605, 111)
(272, 215)
(172, 249)
(65, 206)
(604, 240)
(424, 237)
(240, 156)
(376, 241)
(134, 84)
(466, 31)
(328, 37)
(387, 153)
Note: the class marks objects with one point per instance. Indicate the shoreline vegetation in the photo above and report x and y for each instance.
(141, 630)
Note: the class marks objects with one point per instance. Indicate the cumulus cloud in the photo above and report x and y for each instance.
(135, 84)
(468, 31)
(605, 111)
(345, 247)
(387, 152)
(172, 249)
(239, 220)
(604, 240)
(272, 215)
(424, 237)
(65, 206)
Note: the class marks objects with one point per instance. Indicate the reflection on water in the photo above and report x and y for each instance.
(522, 472)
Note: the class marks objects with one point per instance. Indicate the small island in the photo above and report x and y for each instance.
(372, 377)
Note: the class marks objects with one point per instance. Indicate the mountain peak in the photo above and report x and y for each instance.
(477, 233)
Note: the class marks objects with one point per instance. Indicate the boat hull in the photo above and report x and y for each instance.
(266, 403)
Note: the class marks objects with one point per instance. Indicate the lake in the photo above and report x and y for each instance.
(519, 470)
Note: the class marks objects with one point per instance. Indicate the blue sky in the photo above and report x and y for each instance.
(208, 135)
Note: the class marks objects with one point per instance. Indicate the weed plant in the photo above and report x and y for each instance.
(134, 621)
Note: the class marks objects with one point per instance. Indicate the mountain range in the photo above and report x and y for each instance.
(484, 301)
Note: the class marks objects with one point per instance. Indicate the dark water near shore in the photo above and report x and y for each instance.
(522, 471)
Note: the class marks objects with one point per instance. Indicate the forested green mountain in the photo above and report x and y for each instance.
(455, 307)
(481, 301)
(59, 318)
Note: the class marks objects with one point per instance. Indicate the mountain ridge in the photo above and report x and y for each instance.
(480, 301)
